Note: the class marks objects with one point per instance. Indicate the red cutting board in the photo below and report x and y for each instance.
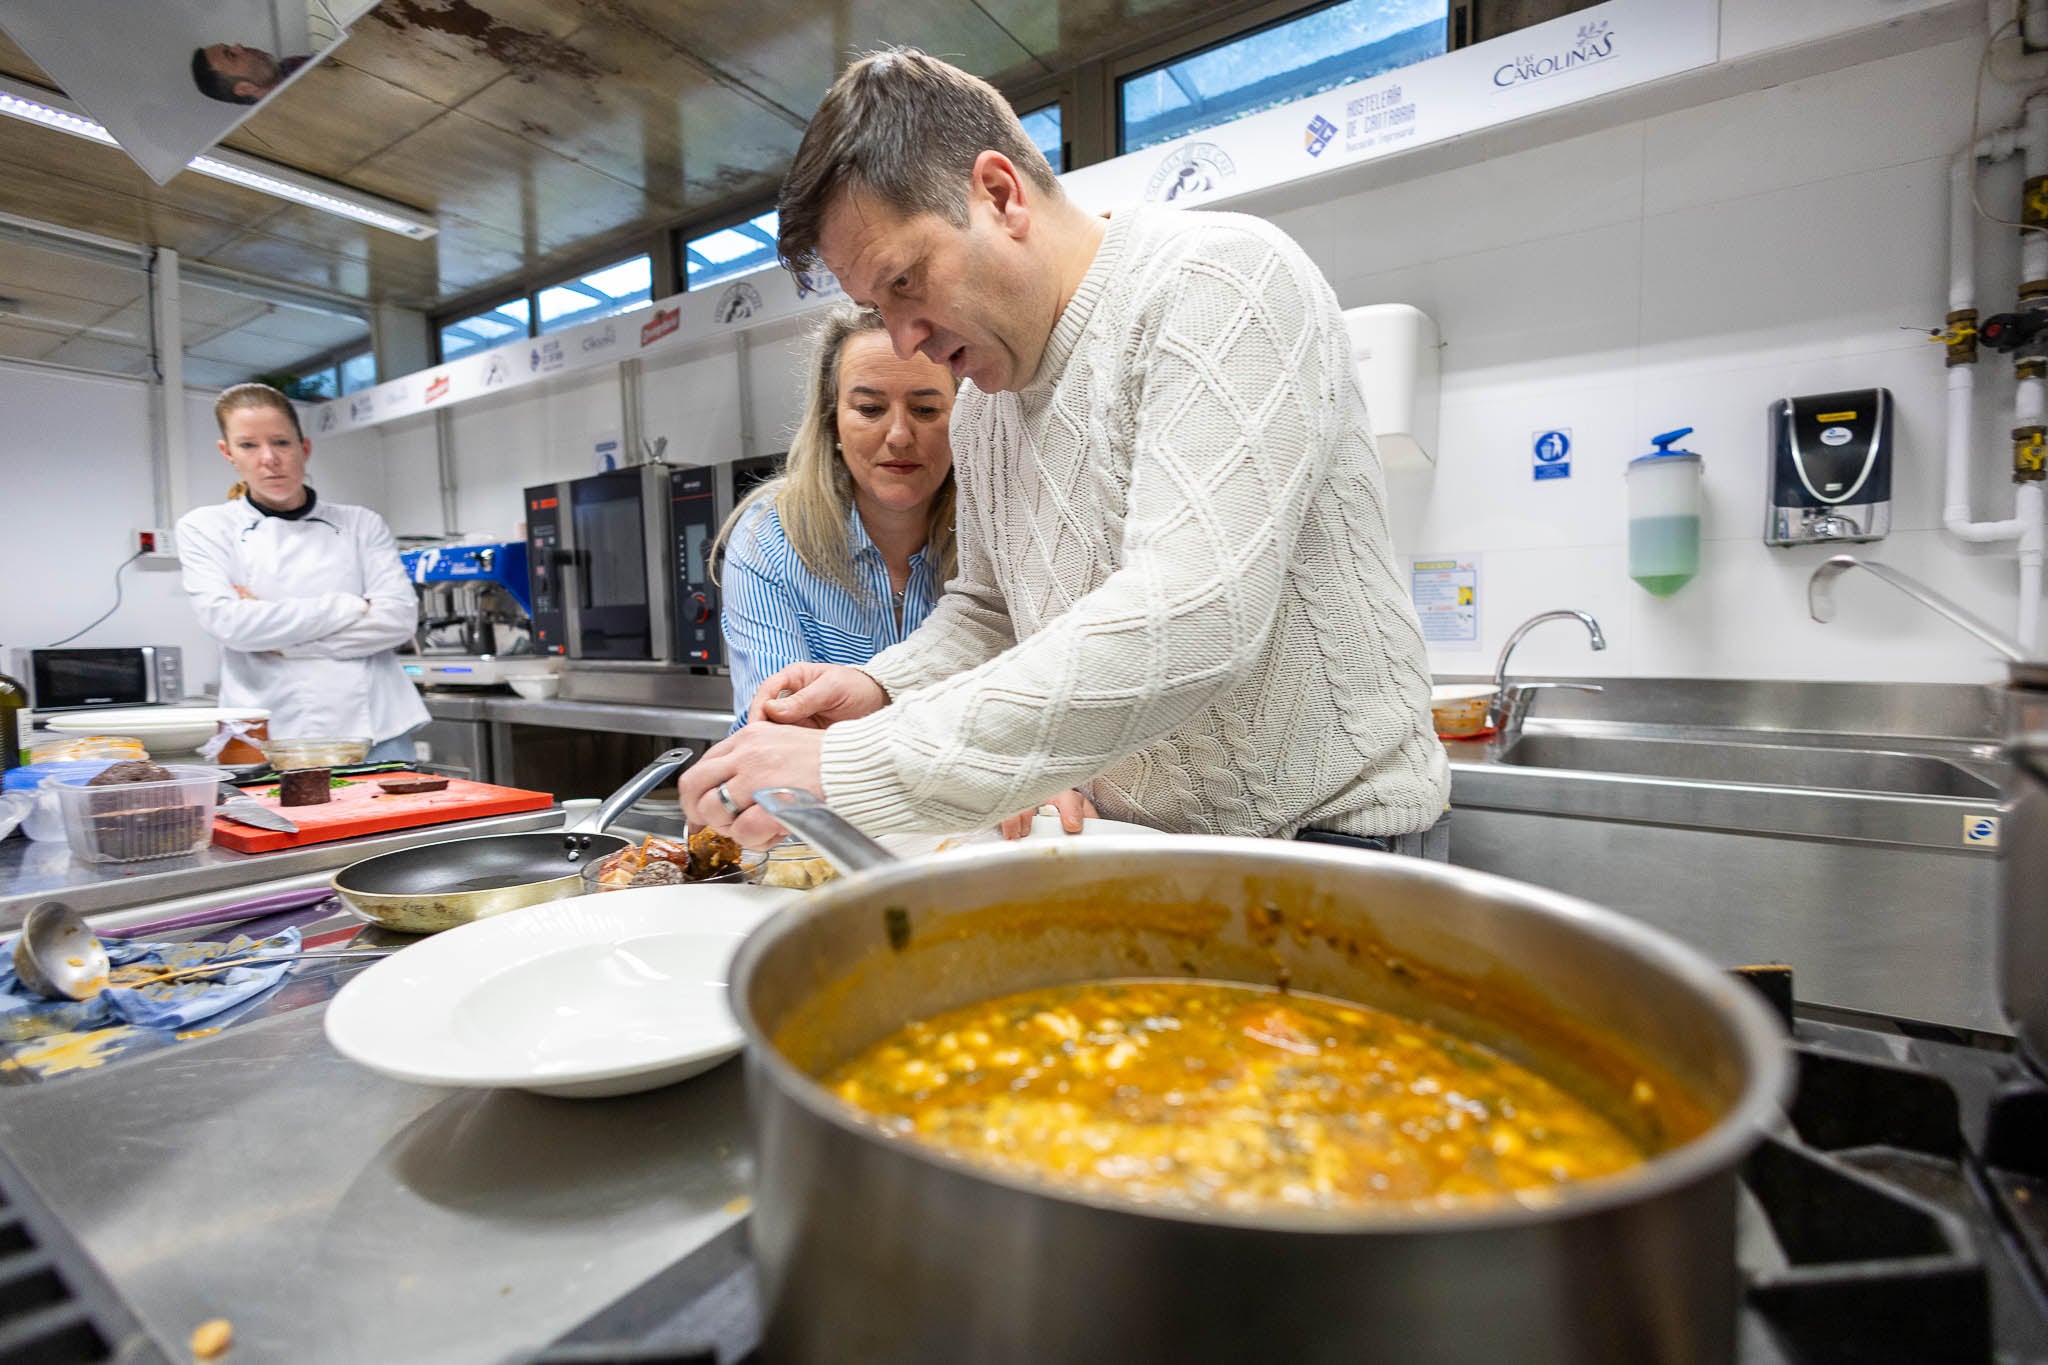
(362, 807)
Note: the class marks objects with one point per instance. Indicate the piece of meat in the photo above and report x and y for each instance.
(304, 787)
(130, 770)
(712, 855)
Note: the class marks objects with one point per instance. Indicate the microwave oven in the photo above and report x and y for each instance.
(617, 565)
(75, 679)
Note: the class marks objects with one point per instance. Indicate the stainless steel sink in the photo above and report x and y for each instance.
(1762, 765)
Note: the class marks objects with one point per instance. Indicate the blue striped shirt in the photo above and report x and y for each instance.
(776, 612)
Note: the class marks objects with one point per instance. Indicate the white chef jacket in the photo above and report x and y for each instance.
(332, 602)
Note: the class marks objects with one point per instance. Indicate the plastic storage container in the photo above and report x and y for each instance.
(131, 821)
(1664, 515)
(1459, 709)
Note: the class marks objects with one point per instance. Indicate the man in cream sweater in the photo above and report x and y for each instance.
(1177, 590)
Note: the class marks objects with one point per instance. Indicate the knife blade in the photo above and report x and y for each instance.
(250, 811)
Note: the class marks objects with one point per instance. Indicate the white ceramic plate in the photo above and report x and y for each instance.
(162, 729)
(596, 995)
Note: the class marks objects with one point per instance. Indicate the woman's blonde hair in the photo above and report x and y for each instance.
(252, 396)
(813, 491)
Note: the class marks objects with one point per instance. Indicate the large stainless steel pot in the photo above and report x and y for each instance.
(873, 1249)
(2023, 849)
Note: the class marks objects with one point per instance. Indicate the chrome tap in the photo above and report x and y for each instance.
(1510, 706)
(1820, 601)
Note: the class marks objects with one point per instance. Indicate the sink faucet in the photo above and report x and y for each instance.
(1510, 706)
(1820, 601)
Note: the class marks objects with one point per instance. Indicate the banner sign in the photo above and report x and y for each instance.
(1592, 52)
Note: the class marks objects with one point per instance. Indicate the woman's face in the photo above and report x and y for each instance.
(892, 422)
(268, 455)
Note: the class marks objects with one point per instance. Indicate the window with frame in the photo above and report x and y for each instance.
(1042, 126)
(730, 252)
(1292, 59)
(492, 327)
(335, 379)
(597, 294)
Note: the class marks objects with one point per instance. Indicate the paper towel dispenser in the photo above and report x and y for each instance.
(1395, 349)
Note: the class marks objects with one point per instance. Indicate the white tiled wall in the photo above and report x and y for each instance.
(1686, 270)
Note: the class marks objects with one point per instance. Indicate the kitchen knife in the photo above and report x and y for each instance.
(250, 811)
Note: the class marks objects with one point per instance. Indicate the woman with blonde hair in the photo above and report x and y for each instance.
(843, 554)
(306, 597)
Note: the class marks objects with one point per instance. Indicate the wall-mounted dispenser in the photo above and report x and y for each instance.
(1831, 468)
(1394, 348)
(1664, 515)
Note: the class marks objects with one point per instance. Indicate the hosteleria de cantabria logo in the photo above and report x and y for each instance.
(1189, 172)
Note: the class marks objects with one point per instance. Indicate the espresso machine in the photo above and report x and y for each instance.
(475, 618)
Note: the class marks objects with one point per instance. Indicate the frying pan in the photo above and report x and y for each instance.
(437, 886)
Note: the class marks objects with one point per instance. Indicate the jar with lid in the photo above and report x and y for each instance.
(1664, 515)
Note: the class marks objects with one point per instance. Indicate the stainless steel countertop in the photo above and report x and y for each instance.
(333, 1215)
(618, 718)
(31, 872)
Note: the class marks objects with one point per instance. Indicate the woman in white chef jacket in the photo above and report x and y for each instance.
(306, 597)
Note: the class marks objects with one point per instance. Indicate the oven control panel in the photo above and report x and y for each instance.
(694, 519)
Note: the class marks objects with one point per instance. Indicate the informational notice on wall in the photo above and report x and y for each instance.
(1446, 594)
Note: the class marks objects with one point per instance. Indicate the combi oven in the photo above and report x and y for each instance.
(618, 565)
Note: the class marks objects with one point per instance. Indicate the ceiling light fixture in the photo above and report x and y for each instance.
(27, 103)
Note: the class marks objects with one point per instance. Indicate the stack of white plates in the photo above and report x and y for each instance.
(163, 730)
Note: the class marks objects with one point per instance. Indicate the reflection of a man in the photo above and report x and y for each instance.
(238, 74)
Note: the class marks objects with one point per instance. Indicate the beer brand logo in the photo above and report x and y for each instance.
(1189, 173)
(437, 388)
(664, 321)
(739, 302)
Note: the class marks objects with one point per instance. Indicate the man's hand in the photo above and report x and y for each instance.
(763, 754)
(1073, 807)
(244, 594)
(818, 695)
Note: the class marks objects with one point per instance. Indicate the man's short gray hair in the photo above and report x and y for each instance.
(905, 128)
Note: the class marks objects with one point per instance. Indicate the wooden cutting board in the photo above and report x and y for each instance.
(363, 807)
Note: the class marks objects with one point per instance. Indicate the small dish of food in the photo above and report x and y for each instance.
(707, 856)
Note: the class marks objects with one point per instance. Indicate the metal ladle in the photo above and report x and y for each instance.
(59, 957)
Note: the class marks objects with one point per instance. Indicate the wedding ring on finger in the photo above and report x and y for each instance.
(725, 799)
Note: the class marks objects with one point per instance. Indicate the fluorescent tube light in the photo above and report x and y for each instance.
(31, 105)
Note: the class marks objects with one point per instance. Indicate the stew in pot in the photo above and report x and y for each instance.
(1201, 1094)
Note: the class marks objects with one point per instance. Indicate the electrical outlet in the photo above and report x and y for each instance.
(156, 542)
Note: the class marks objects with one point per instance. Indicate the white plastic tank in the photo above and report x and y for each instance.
(1395, 349)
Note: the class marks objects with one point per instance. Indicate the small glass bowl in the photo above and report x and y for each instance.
(791, 863)
(330, 752)
(593, 870)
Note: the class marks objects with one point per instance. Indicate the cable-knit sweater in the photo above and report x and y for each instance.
(1177, 589)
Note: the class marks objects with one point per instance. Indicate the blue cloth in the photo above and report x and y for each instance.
(172, 1005)
(776, 612)
(399, 748)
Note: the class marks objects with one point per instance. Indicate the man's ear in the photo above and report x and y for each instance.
(997, 180)
(245, 90)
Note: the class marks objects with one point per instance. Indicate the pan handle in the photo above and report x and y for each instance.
(663, 767)
(824, 829)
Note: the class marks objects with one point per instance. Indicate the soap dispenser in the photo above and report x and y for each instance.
(1664, 515)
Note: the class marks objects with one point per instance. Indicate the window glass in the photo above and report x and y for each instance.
(599, 294)
(1290, 60)
(358, 372)
(731, 251)
(505, 322)
(1042, 126)
(313, 386)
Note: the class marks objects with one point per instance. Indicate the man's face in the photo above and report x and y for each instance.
(244, 65)
(968, 298)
